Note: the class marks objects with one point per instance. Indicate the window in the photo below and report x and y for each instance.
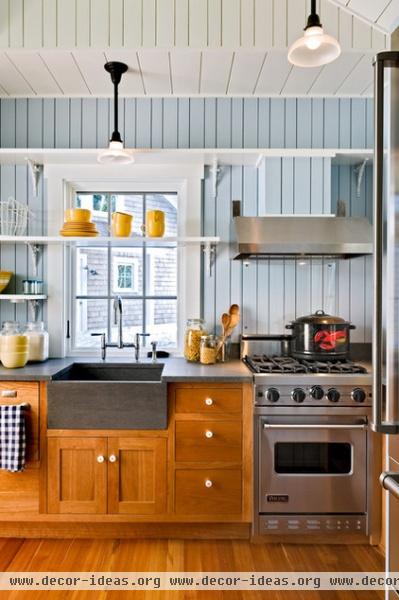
(145, 277)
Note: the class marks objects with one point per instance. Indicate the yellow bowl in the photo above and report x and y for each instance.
(78, 214)
(5, 277)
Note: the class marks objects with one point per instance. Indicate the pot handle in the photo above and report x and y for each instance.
(320, 312)
(352, 326)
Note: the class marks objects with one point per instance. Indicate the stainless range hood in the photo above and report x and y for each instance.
(291, 236)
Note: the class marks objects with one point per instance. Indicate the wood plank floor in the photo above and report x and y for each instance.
(177, 555)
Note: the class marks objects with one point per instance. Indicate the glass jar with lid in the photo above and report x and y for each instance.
(38, 341)
(209, 349)
(14, 346)
(195, 329)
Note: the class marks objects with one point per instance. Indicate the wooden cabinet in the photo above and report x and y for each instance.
(212, 458)
(77, 475)
(114, 475)
(137, 476)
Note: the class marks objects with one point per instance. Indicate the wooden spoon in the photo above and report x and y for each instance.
(234, 320)
(225, 323)
(234, 309)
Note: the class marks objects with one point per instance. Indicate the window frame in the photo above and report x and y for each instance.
(62, 182)
(142, 297)
(123, 261)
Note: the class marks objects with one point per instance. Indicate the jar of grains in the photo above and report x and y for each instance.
(209, 349)
(38, 341)
(192, 339)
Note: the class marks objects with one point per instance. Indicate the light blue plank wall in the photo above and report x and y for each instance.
(271, 293)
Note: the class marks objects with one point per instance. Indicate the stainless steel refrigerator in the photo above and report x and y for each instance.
(386, 289)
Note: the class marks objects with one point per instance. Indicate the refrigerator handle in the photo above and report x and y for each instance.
(378, 423)
(390, 482)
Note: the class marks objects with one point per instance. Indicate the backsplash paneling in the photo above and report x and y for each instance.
(271, 292)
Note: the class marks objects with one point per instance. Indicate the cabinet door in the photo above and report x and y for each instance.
(137, 476)
(77, 475)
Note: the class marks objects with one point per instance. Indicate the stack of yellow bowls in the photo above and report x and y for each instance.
(78, 223)
(14, 350)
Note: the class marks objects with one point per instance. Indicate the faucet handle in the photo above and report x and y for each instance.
(154, 351)
(103, 343)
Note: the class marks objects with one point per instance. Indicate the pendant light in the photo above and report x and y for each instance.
(115, 153)
(315, 48)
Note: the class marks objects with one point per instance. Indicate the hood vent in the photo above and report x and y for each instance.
(292, 236)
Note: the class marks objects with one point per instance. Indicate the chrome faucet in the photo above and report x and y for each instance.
(118, 320)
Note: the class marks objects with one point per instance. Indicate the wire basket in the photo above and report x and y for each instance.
(13, 217)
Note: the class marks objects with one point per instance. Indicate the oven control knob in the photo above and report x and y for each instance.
(358, 395)
(317, 392)
(272, 395)
(298, 395)
(333, 395)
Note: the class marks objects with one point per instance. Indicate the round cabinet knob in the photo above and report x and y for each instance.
(317, 392)
(100, 459)
(358, 395)
(298, 395)
(208, 483)
(112, 458)
(208, 434)
(272, 394)
(208, 401)
(333, 395)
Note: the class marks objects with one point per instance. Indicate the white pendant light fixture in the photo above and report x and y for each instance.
(315, 48)
(115, 153)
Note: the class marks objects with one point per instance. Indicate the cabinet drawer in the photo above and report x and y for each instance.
(203, 441)
(208, 491)
(209, 401)
(18, 392)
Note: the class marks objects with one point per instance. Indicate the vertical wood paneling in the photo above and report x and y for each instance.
(16, 23)
(214, 23)
(4, 29)
(271, 292)
(197, 23)
(33, 20)
(165, 23)
(181, 20)
(230, 23)
(116, 25)
(132, 34)
(83, 23)
(262, 22)
(304, 124)
(66, 20)
(100, 22)
(248, 23)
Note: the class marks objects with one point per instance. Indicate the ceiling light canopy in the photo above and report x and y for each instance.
(115, 153)
(315, 48)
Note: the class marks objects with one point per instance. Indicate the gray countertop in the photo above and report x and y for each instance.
(176, 369)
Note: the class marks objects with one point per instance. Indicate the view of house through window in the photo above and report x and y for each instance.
(145, 278)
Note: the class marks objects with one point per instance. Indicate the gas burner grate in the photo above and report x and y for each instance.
(262, 363)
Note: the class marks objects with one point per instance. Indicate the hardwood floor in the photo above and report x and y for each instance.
(177, 555)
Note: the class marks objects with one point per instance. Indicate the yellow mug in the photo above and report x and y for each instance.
(121, 224)
(155, 223)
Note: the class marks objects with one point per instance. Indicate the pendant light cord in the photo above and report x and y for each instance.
(313, 7)
(116, 134)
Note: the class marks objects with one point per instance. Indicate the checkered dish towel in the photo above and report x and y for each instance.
(12, 437)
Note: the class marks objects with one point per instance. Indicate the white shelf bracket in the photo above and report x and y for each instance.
(209, 250)
(215, 172)
(359, 171)
(35, 172)
(34, 306)
(35, 252)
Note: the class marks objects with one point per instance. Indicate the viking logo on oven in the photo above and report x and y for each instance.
(277, 497)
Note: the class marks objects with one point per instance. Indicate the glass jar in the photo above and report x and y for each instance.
(14, 346)
(38, 341)
(192, 339)
(209, 349)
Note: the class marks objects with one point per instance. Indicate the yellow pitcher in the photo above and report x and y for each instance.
(155, 223)
(121, 224)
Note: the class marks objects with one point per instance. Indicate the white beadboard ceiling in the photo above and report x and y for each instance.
(185, 47)
(383, 14)
(180, 73)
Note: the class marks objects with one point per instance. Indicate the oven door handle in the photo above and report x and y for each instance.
(390, 482)
(314, 426)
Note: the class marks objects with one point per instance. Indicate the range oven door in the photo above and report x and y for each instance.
(310, 464)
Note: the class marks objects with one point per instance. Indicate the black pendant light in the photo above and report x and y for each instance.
(315, 48)
(115, 153)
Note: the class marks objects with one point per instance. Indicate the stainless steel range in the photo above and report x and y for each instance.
(316, 461)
